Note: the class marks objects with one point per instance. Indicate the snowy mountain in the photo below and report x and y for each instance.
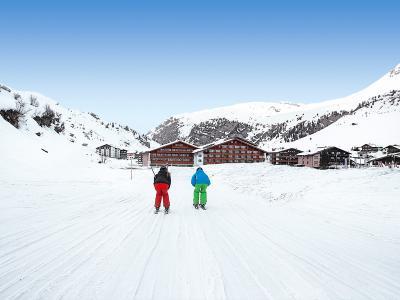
(74, 229)
(366, 115)
(45, 119)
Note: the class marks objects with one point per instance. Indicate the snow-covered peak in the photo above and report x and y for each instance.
(395, 71)
(266, 112)
(242, 112)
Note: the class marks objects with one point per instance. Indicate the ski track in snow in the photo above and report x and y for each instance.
(101, 240)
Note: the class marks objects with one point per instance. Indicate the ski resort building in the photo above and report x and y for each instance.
(139, 158)
(369, 148)
(324, 157)
(177, 153)
(391, 149)
(284, 157)
(232, 150)
(123, 154)
(107, 150)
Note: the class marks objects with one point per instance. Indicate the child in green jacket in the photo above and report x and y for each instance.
(200, 181)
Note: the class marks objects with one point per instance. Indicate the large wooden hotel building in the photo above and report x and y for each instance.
(180, 153)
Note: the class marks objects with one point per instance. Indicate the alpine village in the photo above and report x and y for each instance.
(240, 150)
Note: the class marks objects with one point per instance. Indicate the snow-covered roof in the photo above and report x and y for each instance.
(318, 150)
(284, 149)
(397, 154)
(107, 145)
(395, 146)
(223, 141)
(370, 144)
(169, 144)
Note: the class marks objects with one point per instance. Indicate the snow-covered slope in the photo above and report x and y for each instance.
(27, 156)
(307, 234)
(275, 124)
(377, 123)
(84, 129)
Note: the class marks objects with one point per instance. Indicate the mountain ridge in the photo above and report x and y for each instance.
(262, 123)
(41, 115)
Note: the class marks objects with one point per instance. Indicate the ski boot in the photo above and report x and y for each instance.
(157, 210)
(166, 211)
(203, 206)
(196, 206)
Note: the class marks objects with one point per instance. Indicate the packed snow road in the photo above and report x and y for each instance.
(269, 233)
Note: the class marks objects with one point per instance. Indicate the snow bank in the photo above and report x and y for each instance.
(6, 101)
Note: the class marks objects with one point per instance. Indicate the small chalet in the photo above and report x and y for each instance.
(107, 150)
(177, 153)
(284, 157)
(391, 149)
(231, 150)
(123, 154)
(139, 158)
(389, 160)
(325, 157)
(369, 148)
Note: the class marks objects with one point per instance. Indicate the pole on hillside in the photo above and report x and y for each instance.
(152, 170)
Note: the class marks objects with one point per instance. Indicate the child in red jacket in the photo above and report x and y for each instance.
(162, 183)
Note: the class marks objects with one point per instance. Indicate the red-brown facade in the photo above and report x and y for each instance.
(324, 158)
(178, 153)
(235, 150)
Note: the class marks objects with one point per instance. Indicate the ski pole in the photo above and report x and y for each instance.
(152, 170)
